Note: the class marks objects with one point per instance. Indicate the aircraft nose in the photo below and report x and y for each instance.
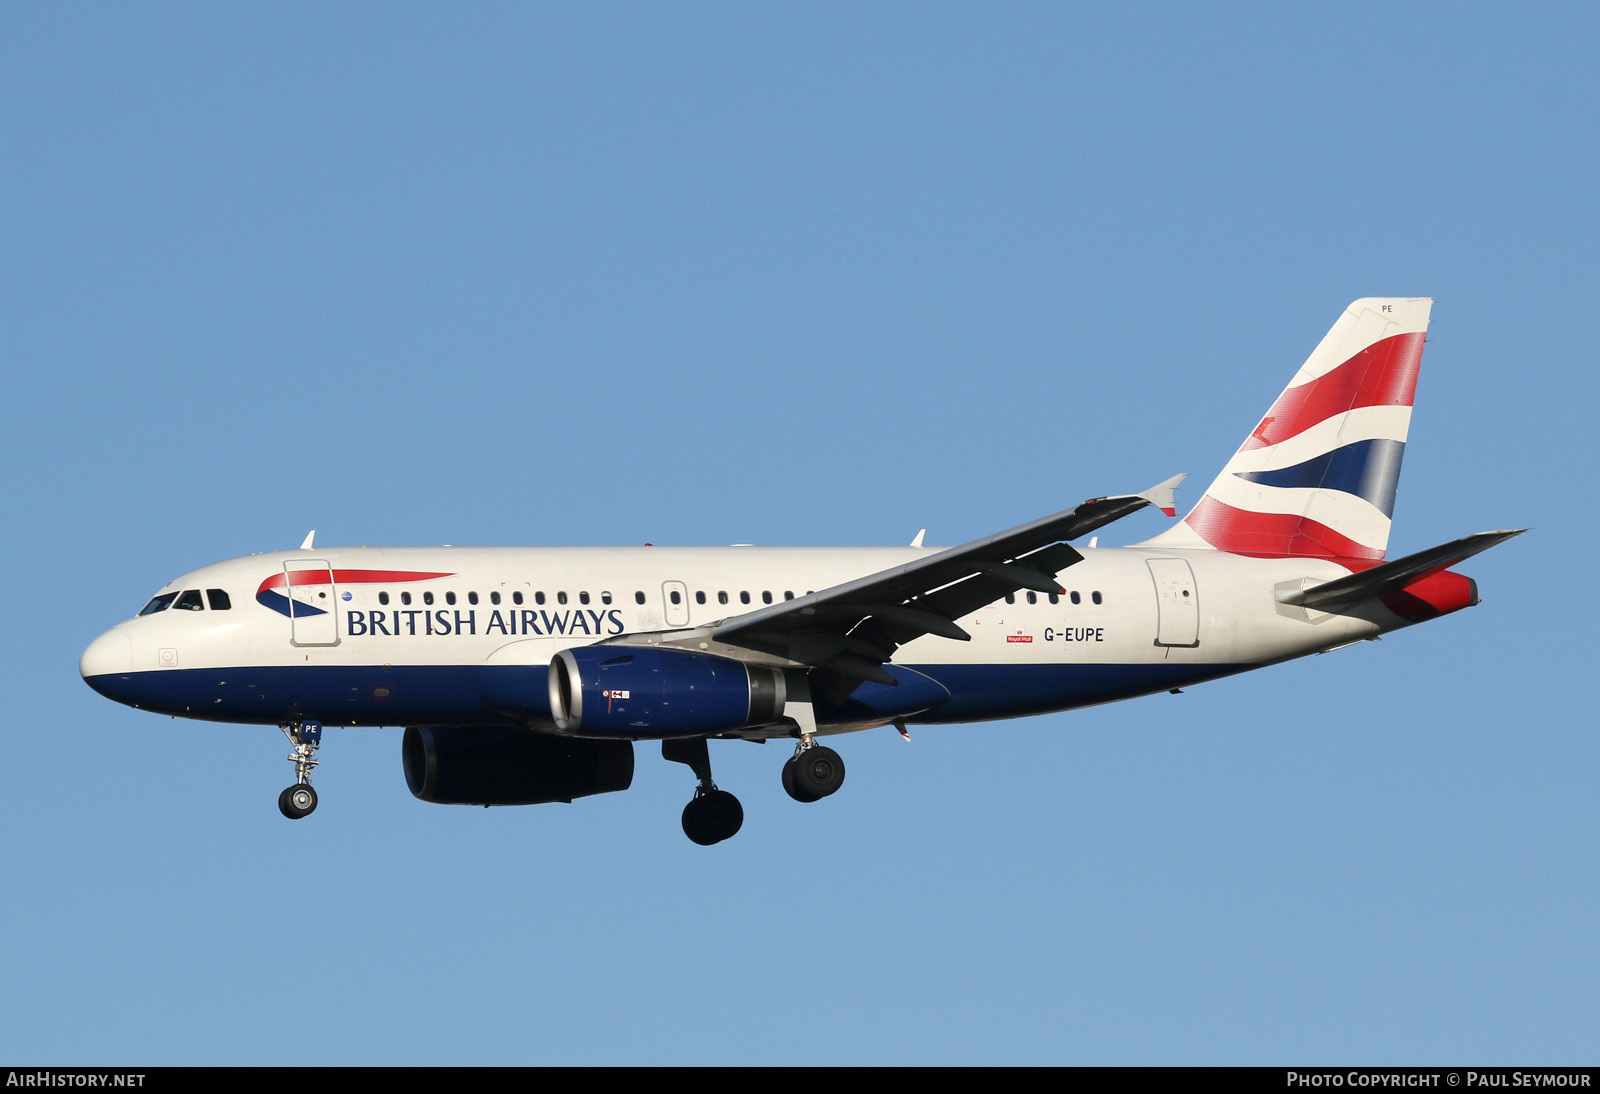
(107, 656)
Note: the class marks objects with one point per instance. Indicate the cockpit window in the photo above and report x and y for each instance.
(159, 604)
(190, 601)
(218, 599)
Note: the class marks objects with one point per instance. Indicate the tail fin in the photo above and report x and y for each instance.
(1317, 477)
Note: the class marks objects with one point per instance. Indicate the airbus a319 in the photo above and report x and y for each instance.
(525, 675)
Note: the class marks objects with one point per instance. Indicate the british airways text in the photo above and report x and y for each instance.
(512, 621)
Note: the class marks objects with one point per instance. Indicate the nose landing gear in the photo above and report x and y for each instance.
(712, 815)
(300, 799)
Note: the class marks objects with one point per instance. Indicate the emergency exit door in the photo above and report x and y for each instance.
(675, 603)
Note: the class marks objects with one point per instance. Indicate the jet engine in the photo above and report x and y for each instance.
(503, 765)
(652, 691)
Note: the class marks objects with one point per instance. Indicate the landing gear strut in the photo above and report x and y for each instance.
(813, 772)
(300, 799)
(712, 815)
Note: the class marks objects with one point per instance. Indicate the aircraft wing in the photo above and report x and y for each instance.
(855, 627)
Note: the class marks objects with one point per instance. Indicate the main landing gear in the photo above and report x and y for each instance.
(299, 800)
(813, 772)
(712, 815)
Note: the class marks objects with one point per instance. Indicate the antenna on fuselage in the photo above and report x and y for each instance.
(311, 535)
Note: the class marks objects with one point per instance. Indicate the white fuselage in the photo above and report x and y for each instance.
(406, 635)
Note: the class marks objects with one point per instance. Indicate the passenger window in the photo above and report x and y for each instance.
(699, 597)
(1055, 598)
(676, 597)
(405, 598)
(605, 597)
(638, 598)
(538, 598)
(1095, 596)
(449, 598)
(218, 599)
(722, 598)
(158, 604)
(766, 597)
(583, 598)
(788, 595)
(494, 598)
(1011, 598)
(427, 598)
(1033, 598)
(1076, 599)
(383, 598)
(744, 598)
(516, 597)
(561, 598)
(472, 598)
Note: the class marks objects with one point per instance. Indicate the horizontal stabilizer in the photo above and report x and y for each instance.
(1391, 577)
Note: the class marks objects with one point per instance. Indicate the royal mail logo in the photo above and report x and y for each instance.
(1019, 638)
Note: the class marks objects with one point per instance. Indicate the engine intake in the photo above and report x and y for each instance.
(651, 691)
(503, 765)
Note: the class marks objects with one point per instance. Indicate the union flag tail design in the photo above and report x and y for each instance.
(1317, 477)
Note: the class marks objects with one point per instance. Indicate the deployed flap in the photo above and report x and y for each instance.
(1389, 577)
(860, 623)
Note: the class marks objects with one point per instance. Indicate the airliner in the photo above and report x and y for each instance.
(525, 675)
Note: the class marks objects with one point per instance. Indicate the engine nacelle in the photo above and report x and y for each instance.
(650, 691)
(503, 765)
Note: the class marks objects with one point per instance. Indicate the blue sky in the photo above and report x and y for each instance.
(803, 274)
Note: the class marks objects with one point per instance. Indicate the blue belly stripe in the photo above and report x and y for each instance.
(452, 694)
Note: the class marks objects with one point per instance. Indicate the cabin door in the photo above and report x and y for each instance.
(1177, 605)
(313, 602)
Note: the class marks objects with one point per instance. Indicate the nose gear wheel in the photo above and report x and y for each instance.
(297, 801)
